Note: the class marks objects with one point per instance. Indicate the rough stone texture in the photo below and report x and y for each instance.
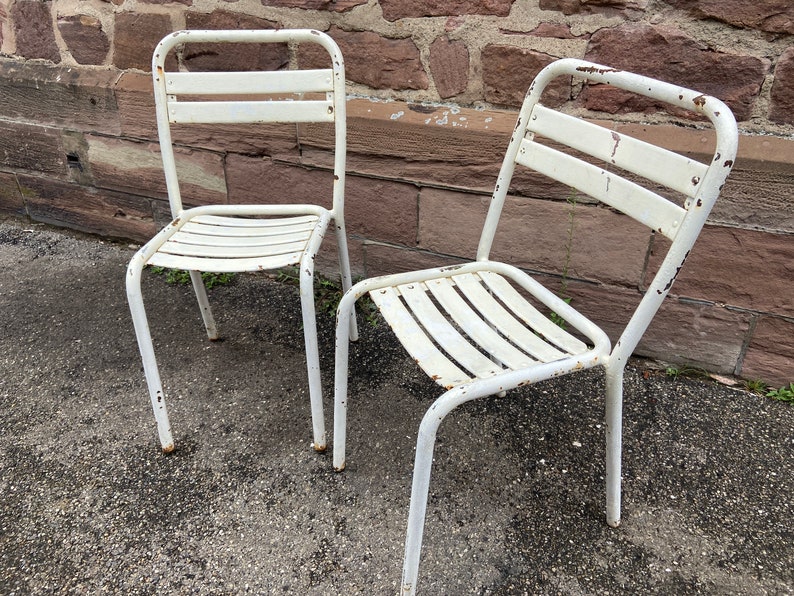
(59, 96)
(555, 30)
(387, 259)
(261, 181)
(534, 234)
(136, 35)
(569, 7)
(32, 148)
(10, 198)
(137, 168)
(668, 54)
(382, 210)
(87, 209)
(681, 332)
(84, 38)
(507, 72)
(208, 56)
(327, 5)
(776, 16)
(770, 355)
(380, 62)
(740, 268)
(782, 95)
(449, 65)
(32, 22)
(400, 9)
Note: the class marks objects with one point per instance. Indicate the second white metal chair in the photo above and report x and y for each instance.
(240, 238)
(471, 327)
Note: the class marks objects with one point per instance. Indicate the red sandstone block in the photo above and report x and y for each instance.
(33, 148)
(770, 355)
(449, 64)
(370, 59)
(327, 263)
(507, 72)
(136, 167)
(10, 197)
(782, 96)
(776, 16)
(259, 180)
(610, 7)
(743, 268)
(400, 9)
(86, 209)
(533, 234)
(136, 35)
(80, 99)
(669, 54)
(84, 37)
(699, 334)
(32, 23)
(387, 259)
(382, 210)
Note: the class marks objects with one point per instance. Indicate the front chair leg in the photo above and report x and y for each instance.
(204, 304)
(614, 440)
(142, 333)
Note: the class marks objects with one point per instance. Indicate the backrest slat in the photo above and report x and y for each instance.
(224, 112)
(652, 162)
(249, 83)
(638, 202)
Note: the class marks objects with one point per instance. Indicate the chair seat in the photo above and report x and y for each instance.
(476, 325)
(223, 244)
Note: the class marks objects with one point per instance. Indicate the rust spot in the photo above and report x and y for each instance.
(680, 97)
(435, 377)
(336, 177)
(176, 221)
(313, 32)
(168, 449)
(594, 70)
(717, 157)
(699, 203)
(421, 109)
(616, 138)
(699, 101)
(330, 109)
(716, 114)
(728, 163)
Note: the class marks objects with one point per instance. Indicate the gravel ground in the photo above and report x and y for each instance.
(90, 504)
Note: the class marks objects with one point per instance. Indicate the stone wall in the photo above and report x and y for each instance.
(433, 89)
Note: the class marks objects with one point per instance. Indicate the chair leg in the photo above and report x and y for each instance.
(344, 270)
(614, 439)
(423, 461)
(142, 333)
(204, 305)
(312, 357)
(345, 309)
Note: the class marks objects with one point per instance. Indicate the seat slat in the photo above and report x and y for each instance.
(503, 320)
(234, 251)
(162, 259)
(249, 83)
(652, 162)
(443, 289)
(415, 340)
(245, 241)
(243, 222)
(645, 206)
(531, 315)
(444, 333)
(235, 231)
(249, 112)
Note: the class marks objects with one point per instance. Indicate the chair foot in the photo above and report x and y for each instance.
(319, 448)
(168, 449)
(339, 468)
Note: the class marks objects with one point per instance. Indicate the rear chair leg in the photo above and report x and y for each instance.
(204, 305)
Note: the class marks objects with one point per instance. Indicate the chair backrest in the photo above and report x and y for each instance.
(249, 97)
(621, 171)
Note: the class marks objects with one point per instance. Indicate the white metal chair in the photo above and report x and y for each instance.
(240, 238)
(473, 331)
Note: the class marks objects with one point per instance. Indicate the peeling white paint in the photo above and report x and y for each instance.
(397, 116)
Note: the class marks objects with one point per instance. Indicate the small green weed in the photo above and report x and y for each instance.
(328, 293)
(785, 394)
(180, 276)
(755, 386)
(566, 265)
(685, 371)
